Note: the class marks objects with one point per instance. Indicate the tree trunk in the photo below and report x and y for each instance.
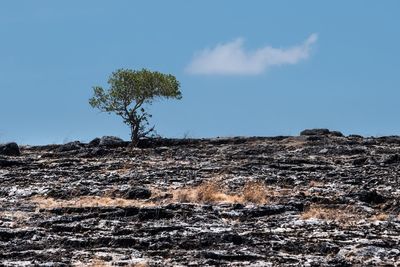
(134, 134)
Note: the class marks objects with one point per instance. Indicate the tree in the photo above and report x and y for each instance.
(128, 94)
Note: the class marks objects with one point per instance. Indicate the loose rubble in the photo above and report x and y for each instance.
(318, 199)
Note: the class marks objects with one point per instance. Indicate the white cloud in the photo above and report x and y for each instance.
(231, 58)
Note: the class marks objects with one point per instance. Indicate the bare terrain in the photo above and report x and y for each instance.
(319, 199)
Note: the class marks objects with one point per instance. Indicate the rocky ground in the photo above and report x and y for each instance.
(319, 199)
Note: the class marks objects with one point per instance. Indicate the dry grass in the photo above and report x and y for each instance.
(255, 192)
(208, 192)
(380, 217)
(315, 183)
(212, 192)
(344, 216)
(98, 263)
(101, 263)
(293, 143)
(341, 215)
(87, 201)
(139, 264)
(17, 218)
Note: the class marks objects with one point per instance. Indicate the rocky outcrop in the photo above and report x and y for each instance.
(9, 149)
(319, 199)
(312, 132)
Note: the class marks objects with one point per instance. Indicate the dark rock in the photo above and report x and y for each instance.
(233, 238)
(394, 139)
(315, 138)
(371, 197)
(360, 161)
(356, 136)
(93, 152)
(68, 194)
(315, 132)
(392, 159)
(154, 214)
(137, 193)
(94, 142)
(268, 210)
(70, 146)
(9, 149)
(279, 202)
(320, 132)
(112, 141)
(8, 163)
(336, 133)
(160, 150)
(230, 256)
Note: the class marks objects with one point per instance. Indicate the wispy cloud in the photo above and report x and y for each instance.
(231, 58)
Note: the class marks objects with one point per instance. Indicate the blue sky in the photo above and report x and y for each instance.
(246, 67)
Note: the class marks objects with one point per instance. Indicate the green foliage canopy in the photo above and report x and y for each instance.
(128, 91)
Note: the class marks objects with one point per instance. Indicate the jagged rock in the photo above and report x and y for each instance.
(10, 149)
(313, 200)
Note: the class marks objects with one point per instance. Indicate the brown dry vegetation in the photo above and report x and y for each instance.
(208, 192)
(98, 263)
(256, 192)
(87, 201)
(380, 217)
(212, 192)
(101, 263)
(293, 143)
(17, 218)
(315, 183)
(341, 215)
(338, 214)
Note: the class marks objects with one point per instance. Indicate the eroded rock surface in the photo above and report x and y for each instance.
(326, 200)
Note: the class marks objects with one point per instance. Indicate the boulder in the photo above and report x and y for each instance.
(138, 193)
(371, 197)
(111, 141)
(313, 132)
(336, 133)
(10, 149)
(94, 142)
